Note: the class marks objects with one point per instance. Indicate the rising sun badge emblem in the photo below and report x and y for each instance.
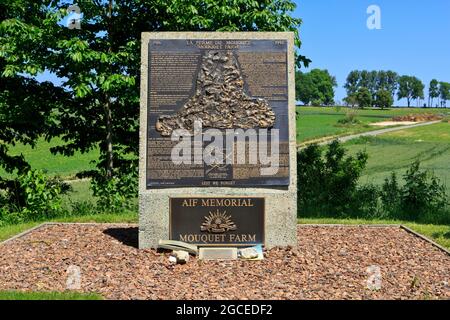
(218, 222)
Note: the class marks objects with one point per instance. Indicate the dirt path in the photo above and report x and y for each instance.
(327, 140)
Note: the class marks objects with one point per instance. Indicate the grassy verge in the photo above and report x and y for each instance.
(128, 217)
(438, 233)
(20, 295)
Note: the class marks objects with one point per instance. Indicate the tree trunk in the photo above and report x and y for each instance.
(409, 101)
(108, 113)
(109, 143)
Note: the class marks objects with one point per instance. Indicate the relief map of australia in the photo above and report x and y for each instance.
(222, 84)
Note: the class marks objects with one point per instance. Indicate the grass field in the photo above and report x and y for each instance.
(396, 151)
(317, 122)
(20, 295)
(41, 158)
(438, 233)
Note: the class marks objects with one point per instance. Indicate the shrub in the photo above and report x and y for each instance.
(31, 196)
(81, 208)
(367, 202)
(350, 118)
(327, 184)
(423, 193)
(114, 193)
(390, 195)
(421, 198)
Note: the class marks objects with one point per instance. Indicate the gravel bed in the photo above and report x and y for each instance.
(329, 263)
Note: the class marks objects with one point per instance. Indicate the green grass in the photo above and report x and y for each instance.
(8, 231)
(438, 233)
(21, 295)
(396, 151)
(41, 158)
(318, 122)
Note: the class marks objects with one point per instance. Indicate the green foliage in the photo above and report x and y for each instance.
(350, 118)
(114, 194)
(422, 194)
(31, 197)
(327, 187)
(433, 91)
(327, 184)
(372, 80)
(390, 194)
(363, 98)
(444, 93)
(383, 99)
(422, 197)
(316, 87)
(82, 208)
(410, 88)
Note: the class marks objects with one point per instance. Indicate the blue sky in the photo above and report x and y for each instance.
(414, 38)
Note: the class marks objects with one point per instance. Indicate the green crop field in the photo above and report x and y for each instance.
(396, 151)
(317, 122)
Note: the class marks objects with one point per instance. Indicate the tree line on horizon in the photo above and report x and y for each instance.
(369, 89)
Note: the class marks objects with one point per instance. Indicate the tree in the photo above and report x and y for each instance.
(352, 82)
(25, 105)
(305, 89)
(97, 102)
(410, 88)
(444, 93)
(433, 91)
(374, 84)
(315, 87)
(383, 99)
(364, 98)
(364, 79)
(373, 80)
(391, 82)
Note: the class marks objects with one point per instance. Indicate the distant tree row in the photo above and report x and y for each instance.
(378, 89)
(440, 90)
(315, 87)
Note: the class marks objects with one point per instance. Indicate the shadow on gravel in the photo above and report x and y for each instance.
(128, 236)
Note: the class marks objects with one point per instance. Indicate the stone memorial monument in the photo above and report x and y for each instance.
(217, 156)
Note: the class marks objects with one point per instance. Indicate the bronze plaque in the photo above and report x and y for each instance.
(226, 85)
(217, 221)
